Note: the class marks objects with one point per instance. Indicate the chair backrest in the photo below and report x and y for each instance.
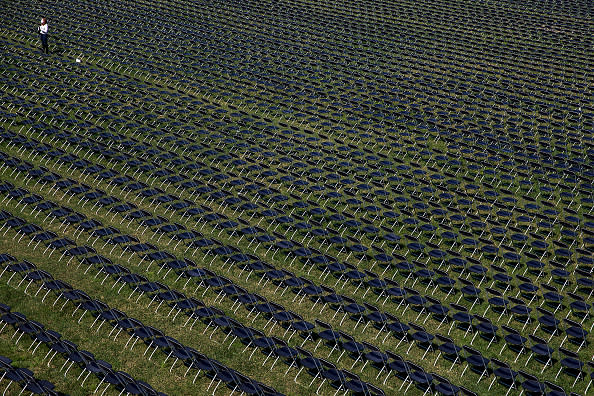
(545, 312)
(279, 341)
(528, 376)
(411, 291)
(494, 292)
(548, 287)
(568, 353)
(467, 392)
(473, 261)
(471, 351)
(323, 325)
(524, 279)
(440, 378)
(374, 390)
(303, 352)
(554, 387)
(482, 319)
(575, 296)
(516, 301)
(498, 269)
(510, 330)
(459, 307)
(499, 363)
(443, 338)
(391, 317)
(371, 347)
(465, 282)
(346, 336)
(327, 289)
(537, 339)
(327, 364)
(572, 323)
(414, 367)
(416, 327)
(351, 375)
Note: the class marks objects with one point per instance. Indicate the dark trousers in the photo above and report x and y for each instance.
(44, 46)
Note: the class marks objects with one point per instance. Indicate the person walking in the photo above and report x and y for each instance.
(43, 29)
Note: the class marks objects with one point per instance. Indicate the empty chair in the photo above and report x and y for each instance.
(477, 362)
(311, 364)
(355, 350)
(462, 319)
(514, 341)
(486, 329)
(504, 375)
(570, 365)
(541, 351)
(421, 379)
(530, 384)
(448, 349)
(422, 338)
(444, 387)
(377, 358)
(575, 334)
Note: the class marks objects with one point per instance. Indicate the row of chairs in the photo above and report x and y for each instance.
(151, 336)
(490, 327)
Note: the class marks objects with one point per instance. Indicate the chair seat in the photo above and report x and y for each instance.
(576, 332)
(376, 357)
(396, 292)
(548, 320)
(515, 339)
(503, 278)
(329, 335)
(286, 352)
(446, 389)
(498, 301)
(477, 361)
(471, 291)
(354, 309)
(376, 316)
(398, 327)
(353, 347)
(505, 373)
(264, 342)
(302, 326)
(572, 363)
(487, 328)
(311, 363)
(521, 310)
(334, 375)
(438, 309)
(463, 317)
(449, 349)
(399, 366)
(416, 300)
(422, 336)
(421, 377)
(542, 350)
(357, 386)
(532, 386)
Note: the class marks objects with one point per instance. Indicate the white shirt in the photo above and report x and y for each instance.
(43, 29)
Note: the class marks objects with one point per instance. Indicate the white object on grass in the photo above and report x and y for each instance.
(78, 60)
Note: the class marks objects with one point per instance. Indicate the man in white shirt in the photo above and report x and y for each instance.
(43, 35)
